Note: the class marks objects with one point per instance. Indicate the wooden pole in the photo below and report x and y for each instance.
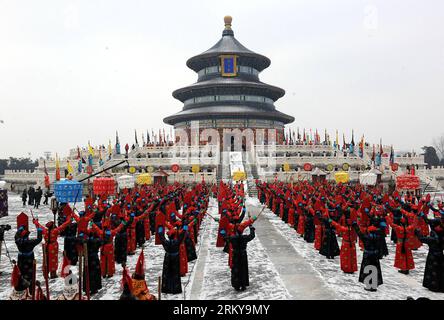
(85, 256)
(45, 269)
(34, 271)
(80, 273)
(159, 288)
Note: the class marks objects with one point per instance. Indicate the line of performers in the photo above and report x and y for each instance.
(320, 212)
(230, 235)
(104, 234)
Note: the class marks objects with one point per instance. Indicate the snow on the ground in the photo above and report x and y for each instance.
(265, 282)
(347, 286)
(111, 290)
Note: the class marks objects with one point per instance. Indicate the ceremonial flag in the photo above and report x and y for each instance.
(337, 139)
(352, 144)
(44, 167)
(57, 165)
(361, 147)
(378, 159)
(117, 144)
(110, 150)
(374, 153)
(79, 166)
(299, 135)
(164, 136)
(69, 167)
(143, 140)
(90, 149)
(392, 156)
(344, 145)
(305, 138)
(381, 149)
(78, 152)
(135, 136)
(147, 137)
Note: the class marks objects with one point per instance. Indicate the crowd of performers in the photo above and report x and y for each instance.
(363, 217)
(111, 228)
(104, 234)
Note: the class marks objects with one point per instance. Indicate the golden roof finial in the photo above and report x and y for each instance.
(227, 20)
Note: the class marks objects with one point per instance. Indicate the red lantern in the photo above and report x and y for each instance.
(104, 186)
(308, 167)
(175, 168)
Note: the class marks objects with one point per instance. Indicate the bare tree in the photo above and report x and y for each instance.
(438, 143)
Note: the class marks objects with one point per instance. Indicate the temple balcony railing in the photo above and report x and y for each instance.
(23, 176)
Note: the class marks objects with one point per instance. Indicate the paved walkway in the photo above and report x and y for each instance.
(298, 276)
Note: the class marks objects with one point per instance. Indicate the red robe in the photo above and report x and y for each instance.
(51, 244)
(318, 233)
(347, 256)
(159, 221)
(403, 257)
(107, 263)
(223, 224)
(183, 258)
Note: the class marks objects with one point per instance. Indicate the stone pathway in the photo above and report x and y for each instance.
(298, 276)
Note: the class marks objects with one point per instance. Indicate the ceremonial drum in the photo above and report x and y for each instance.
(104, 186)
(126, 182)
(68, 191)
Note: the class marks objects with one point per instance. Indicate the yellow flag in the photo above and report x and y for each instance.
(337, 138)
(57, 164)
(90, 149)
(110, 149)
(69, 167)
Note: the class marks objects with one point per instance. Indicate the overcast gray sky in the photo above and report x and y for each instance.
(73, 71)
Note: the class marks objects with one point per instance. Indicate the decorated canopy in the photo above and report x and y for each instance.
(407, 182)
(239, 176)
(104, 186)
(368, 179)
(318, 172)
(126, 181)
(144, 178)
(342, 177)
(68, 191)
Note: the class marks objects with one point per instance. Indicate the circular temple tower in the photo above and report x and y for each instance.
(228, 94)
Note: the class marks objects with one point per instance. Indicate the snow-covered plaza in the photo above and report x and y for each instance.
(282, 266)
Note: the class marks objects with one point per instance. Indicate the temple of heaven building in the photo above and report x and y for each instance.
(228, 93)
